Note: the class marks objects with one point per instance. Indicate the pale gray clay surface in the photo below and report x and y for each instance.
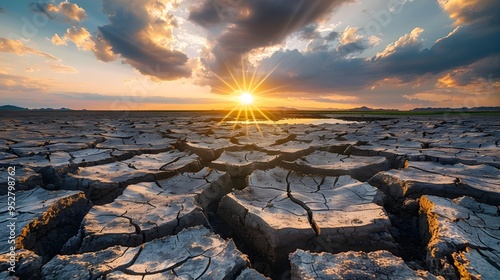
(191, 195)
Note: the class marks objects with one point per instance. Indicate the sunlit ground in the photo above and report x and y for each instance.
(294, 121)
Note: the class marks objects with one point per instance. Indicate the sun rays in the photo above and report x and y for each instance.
(246, 91)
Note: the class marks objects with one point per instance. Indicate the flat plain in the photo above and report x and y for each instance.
(165, 195)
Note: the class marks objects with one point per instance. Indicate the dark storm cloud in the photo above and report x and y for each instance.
(404, 60)
(472, 11)
(483, 73)
(465, 46)
(257, 23)
(478, 38)
(332, 36)
(353, 47)
(132, 33)
(319, 71)
(206, 14)
(487, 68)
(309, 32)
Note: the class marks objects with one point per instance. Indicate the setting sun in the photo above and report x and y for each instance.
(246, 98)
(243, 88)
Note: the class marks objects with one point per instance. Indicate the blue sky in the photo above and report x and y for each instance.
(308, 54)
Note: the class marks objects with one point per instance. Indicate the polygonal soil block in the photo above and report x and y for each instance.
(318, 213)
(194, 253)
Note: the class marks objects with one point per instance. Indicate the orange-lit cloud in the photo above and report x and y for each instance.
(82, 38)
(350, 35)
(467, 11)
(324, 52)
(475, 85)
(17, 47)
(61, 68)
(145, 45)
(408, 40)
(10, 83)
(69, 12)
(352, 42)
(58, 41)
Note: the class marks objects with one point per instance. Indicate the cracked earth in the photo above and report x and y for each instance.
(159, 195)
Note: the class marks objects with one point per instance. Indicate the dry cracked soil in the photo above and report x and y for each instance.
(168, 195)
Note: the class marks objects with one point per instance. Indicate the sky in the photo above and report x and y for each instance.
(203, 54)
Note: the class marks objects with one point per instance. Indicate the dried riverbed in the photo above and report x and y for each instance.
(150, 195)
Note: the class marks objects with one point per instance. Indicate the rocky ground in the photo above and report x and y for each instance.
(158, 195)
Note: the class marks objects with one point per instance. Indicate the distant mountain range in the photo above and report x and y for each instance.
(429, 109)
(17, 108)
(358, 109)
(459, 109)
(367, 109)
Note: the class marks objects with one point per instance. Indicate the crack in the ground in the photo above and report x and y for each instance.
(312, 222)
(171, 162)
(206, 268)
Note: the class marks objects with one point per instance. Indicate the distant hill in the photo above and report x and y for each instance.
(430, 109)
(277, 109)
(17, 108)
(12, 108)
(475, 109)
(367, 109)
(363, 108)
(51, 109)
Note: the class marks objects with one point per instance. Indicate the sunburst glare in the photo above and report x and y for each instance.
(246, 90)
(246, 98)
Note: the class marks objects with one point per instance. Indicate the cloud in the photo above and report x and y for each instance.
(2, 11)
(430, 97)
(32, 69)
(58, 41)
(248, 25)
(61, 68)
(471, 11)
(18, 48)
(318, 72)
(82, 38)
(15, 83)
(351, 42)
(332, 63)
(466, 56)
(408, 43)
(66, 11)
(102, 49)
(332, 36)
(309, 32)
(317, 42)
(142, 37)
(405, 60)
(132, 99)
(481, 77)
(40, 8)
